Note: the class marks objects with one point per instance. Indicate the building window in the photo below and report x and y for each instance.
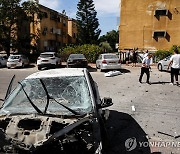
(64, 22)
(161, 12)
(59, 31)
(59, 19)
(53, 30)
(53, 16)
(45, 30)
(157, 34)
(45, 43)
(45, 14)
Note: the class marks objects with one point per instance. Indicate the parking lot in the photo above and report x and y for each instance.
(140, 111)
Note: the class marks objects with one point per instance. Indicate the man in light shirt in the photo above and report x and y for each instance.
(175, 67)
(145, 68)
(146, 54)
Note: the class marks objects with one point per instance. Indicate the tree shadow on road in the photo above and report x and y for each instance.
(123, 129)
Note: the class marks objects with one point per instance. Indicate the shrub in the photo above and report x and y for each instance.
(161, 54)
(91, 52)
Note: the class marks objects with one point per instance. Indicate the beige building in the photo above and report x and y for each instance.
(53, 30)
(149, 24)
(72, 30)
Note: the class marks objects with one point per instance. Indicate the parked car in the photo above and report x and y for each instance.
(163, 64)
(77, 60)
(3, 61)
(17, 61)
(48, 60)
(54, 110)
(108, 61)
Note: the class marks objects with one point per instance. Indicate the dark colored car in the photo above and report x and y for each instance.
(77, 60)
(54, 111)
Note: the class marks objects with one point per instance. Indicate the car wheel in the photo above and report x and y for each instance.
(0, 65)
(160, 67)
(23, 65)
(8, 67)
(57, 65)
(39, 68)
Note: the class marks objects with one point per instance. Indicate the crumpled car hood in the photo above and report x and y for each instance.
(29, 132)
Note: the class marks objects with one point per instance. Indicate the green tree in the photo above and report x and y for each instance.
(90, 51)
(111, 37)
(87, 22)
(13, 17)
(9, 10)
(105, 46)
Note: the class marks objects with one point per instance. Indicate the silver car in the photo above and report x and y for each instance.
(17, 61)
(163, 64)
(108, 61)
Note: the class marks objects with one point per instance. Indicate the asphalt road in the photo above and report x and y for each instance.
(140, 111)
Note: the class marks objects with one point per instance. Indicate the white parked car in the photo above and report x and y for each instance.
(48, 59)
(3, 61)
(108, 61)
(54, 111)
(17, 61)
(163, 64)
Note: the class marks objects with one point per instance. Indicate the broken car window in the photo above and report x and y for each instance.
(70, 91)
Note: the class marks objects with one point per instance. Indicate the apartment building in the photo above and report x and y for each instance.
(72, 31)
(149, 24)
(54, 30)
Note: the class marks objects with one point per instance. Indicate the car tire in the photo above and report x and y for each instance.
(23, 65)
(39, 68)
(160, 67)
(8, 67)
(57, 65)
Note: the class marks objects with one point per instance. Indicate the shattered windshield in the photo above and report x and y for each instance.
(72, 92)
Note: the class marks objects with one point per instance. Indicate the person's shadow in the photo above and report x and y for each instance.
(125, 135)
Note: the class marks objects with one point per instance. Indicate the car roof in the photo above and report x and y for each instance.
(58, 73)
(108, 54)
(77, 54)
(16, 55)
(48, 53)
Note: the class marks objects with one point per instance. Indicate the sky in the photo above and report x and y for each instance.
(107, 11)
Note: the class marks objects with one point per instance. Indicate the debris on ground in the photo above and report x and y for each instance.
(112, 73)
(133, 108)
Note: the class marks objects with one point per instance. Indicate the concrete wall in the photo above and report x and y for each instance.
(138, 24)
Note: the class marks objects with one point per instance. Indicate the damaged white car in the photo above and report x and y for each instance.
(54, 111)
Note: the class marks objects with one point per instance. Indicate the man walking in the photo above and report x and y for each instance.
(175, 67)
(145, 68)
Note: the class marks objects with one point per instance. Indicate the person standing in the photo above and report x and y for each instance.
(127, 57)
(146, 54)
(134, 58)
(175, 67)
(145, 68)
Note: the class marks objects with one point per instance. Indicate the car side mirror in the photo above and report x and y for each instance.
(106, 102)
